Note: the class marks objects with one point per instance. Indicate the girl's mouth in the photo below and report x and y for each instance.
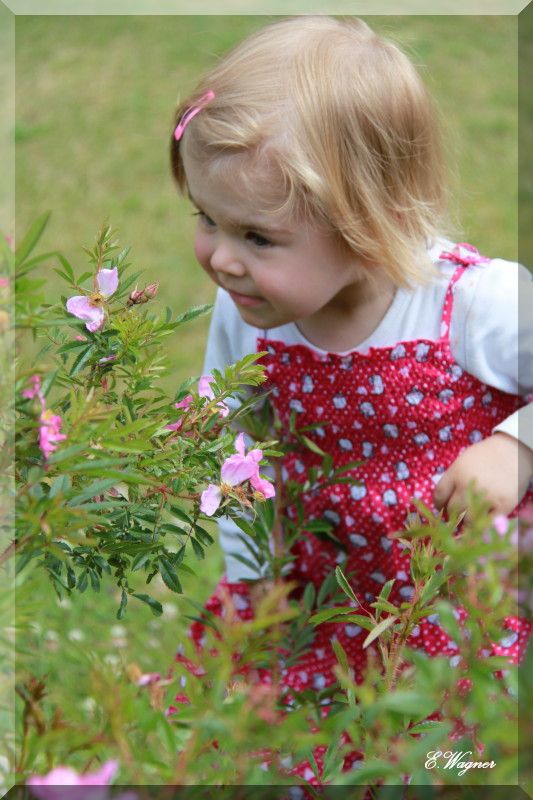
(245, 300)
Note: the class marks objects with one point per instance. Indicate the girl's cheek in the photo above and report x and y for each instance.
(203, 251)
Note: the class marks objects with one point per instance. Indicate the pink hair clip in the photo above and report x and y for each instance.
(191, 112)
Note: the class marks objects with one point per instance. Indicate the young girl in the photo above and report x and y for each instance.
(311, 154)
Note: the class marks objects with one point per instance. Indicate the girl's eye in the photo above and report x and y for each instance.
(257, 239)
(205, 220)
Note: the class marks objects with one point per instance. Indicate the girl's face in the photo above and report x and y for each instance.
(275, 270)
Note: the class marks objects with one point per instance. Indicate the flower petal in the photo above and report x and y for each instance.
(185, 403)
(210, 499)
(237, 469)
(204, 386)
(262, 485)
(223, 410)
(101, 777)
(174, 426)
(50, 432)
(60, 776)
(239, 444)
(501, 524)
(107, 281)
(81, 307)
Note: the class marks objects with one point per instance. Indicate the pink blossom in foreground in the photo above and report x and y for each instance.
(235, 470)
(205, 390)
(4, 283)
(49, 432)
(65, 776)
(89, 308)
(500, 524)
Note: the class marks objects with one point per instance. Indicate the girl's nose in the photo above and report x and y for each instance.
(225, 259)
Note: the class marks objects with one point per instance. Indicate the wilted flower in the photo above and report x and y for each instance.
(235, 470)
(89, 308)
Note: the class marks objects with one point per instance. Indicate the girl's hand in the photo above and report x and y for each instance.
(499, 466)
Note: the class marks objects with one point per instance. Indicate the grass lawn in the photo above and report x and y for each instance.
(94, 112)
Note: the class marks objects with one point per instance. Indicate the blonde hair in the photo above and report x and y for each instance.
(344, 119)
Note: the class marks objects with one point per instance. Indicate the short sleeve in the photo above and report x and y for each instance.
(492, 325)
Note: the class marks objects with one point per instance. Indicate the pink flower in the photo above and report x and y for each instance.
(35, 390)
(500, 524)
(465, 254)
(65, 776)
(49, 432)
(210, 499)
(89, 308)
(242, 466)
(205, 390)
(235, 470)
(147, 678)
(4, 283)
(185, 403)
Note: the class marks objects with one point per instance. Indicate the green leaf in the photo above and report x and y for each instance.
(155, 606)
(30, 240)
(378, 630)
(68, 452)
(180, 514)
(309, 597)
(328, 614)
(82, 581)
(345, 586)
(412, 703)
(311, 445)
(123, 603)
(203, 535)
(81, 360)
(94, 488)
(245, 526)
(168, 574)
(342, 658)
(198, 549)
(140, 560)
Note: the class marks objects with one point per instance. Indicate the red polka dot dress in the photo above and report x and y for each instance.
(406, 411)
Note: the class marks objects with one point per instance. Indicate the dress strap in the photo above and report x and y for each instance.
(464, 255)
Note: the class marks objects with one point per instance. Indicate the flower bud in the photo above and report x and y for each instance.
(135, 297)
(151, 290)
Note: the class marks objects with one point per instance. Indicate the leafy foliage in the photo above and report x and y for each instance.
(119, 499)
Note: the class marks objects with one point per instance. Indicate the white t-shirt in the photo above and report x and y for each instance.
(491, 337)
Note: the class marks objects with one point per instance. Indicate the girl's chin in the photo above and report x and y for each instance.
(262, 316)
